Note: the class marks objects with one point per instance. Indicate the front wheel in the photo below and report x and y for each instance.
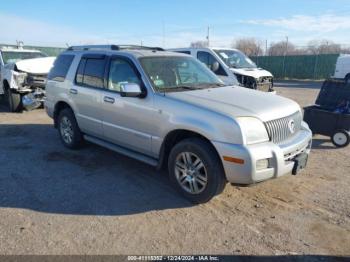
(341, 138)
(196, 170)
(13, 100)
(347, 79)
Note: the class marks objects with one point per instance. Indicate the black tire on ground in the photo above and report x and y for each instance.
(13, 100)
(67, 124)
(216, 180)
(347, 79)
(341, 138)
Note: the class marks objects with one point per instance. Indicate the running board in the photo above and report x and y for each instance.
(122, 150)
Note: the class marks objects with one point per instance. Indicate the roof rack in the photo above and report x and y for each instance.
(113, 47)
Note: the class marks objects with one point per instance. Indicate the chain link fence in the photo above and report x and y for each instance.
(314, 67)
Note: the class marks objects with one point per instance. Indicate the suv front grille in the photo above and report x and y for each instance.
(284, 128)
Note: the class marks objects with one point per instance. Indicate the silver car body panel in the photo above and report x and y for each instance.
(142, 124)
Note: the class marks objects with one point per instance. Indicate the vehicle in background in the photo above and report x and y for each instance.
(342, 68)
(232, 66)
(168, 109)
(23, 75)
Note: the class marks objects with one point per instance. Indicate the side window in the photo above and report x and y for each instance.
(60, 68)
(80, 72)
(121, 72)
(91, 72)
(208, 59)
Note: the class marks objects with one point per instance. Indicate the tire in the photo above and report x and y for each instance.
(347, 79)
(211, 174)
(13, 100)
(69, 130)
(341, 138)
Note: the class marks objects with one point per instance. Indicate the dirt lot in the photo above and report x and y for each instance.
(93, 201)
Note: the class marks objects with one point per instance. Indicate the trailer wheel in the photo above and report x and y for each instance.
(341, 138)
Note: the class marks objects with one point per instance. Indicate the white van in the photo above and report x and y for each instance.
(342, 68)
(232, 66)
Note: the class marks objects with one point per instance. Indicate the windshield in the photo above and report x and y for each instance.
(235, 59)
(15, 56)
(177, 73)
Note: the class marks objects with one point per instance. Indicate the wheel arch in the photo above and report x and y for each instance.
(59, 106)
(173, 138)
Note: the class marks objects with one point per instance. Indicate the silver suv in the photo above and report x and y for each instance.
(168, 109)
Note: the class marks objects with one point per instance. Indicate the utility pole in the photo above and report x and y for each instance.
(208, 31)
(284, 58)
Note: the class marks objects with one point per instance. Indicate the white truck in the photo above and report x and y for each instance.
(232, 66)
(23, 75)
(342, 68)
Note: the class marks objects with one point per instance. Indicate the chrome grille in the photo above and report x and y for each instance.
(280, 129)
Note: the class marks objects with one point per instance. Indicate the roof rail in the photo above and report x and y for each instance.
(92, 47)
(112, 47)
(141, 47)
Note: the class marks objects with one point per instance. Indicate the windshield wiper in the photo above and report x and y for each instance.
(210, 85)
(177, 88)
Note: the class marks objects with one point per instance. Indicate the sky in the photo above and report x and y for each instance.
(174, 23)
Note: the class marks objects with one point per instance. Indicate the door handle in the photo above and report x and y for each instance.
(73, 91)
(108, 99)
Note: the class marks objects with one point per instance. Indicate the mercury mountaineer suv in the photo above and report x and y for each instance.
(169, 110)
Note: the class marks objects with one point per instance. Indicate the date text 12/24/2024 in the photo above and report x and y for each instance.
(174, 258)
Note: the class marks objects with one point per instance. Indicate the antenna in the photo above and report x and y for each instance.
(208, 31)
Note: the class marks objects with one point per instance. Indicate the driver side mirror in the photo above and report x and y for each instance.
(130, 90)
(215, 66)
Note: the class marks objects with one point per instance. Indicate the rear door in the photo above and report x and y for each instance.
(87, 91)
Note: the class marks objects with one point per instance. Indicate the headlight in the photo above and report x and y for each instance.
(19, 78)
(253, 130)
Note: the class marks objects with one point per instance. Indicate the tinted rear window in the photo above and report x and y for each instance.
(91, 72)
(60, 68)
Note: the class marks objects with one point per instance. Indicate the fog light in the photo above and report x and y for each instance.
(262, 164)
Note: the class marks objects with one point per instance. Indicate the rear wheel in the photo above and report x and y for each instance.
(68, 129)
(341, 138)
(13, 100)
(196, 170)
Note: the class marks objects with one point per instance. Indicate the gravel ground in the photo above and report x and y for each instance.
(94, 201)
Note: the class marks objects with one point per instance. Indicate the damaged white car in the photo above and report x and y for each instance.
(23, 74)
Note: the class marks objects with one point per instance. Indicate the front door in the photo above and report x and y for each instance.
(208, 59)
(127, 121)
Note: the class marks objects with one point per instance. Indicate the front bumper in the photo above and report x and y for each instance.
(281, 158)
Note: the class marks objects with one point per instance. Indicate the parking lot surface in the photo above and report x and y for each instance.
(94, 201)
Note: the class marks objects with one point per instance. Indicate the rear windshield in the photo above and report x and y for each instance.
(60, 68)
(13, 57)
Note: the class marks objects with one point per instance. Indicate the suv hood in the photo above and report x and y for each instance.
(254, 72)
(239, 101)
(36, 65)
